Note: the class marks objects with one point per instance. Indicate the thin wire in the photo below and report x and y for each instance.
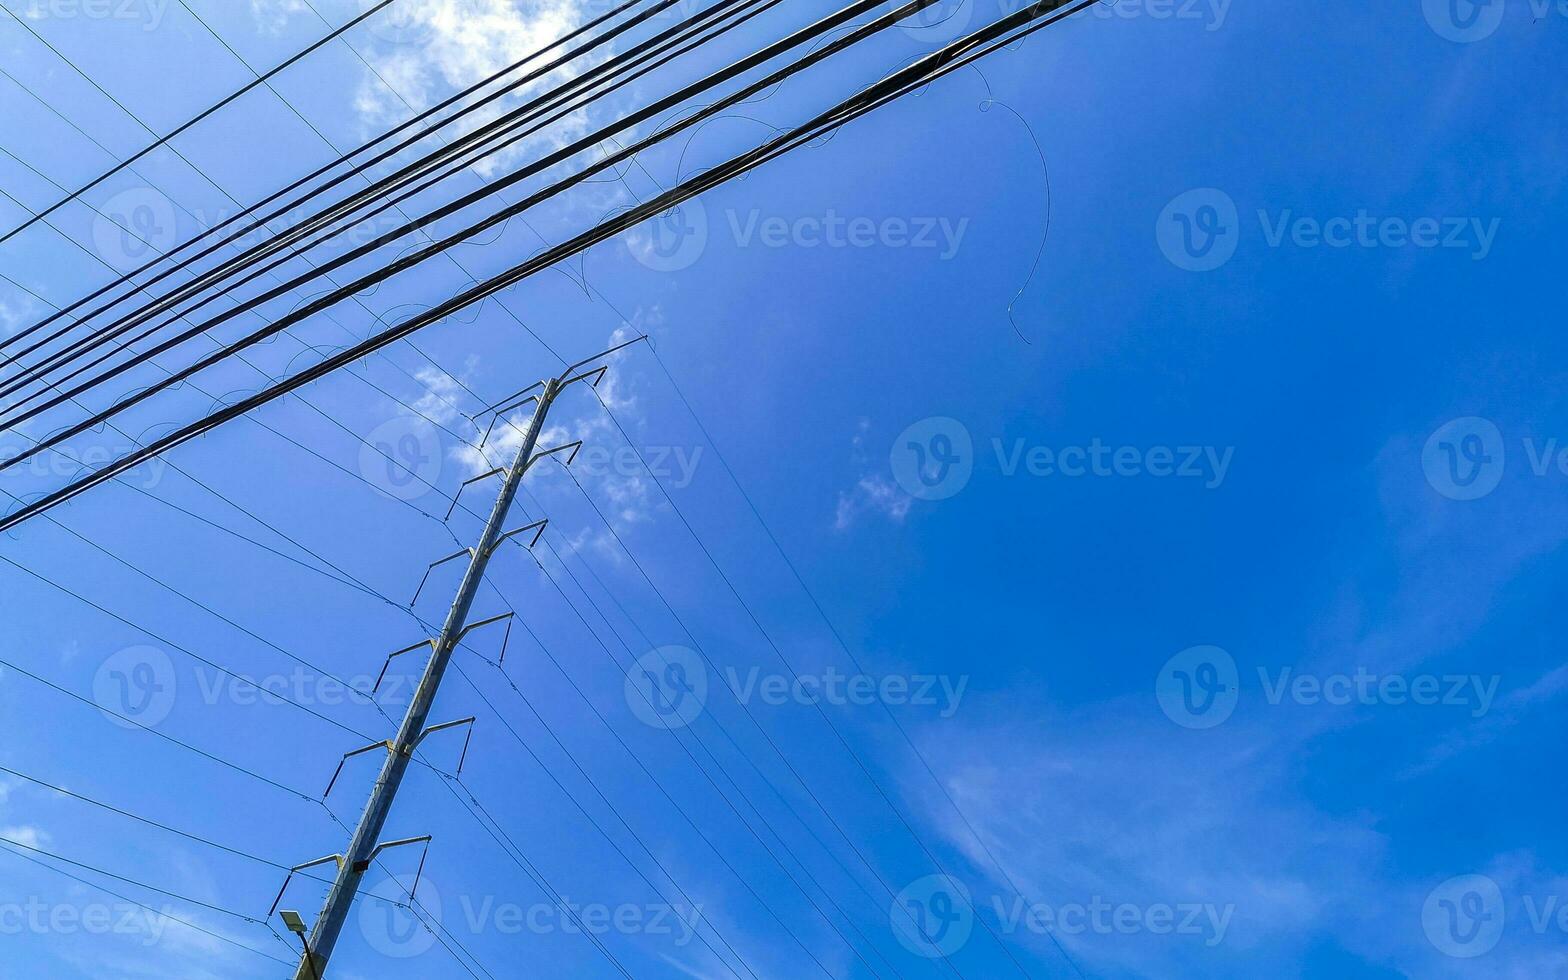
(164, 140)
(545, 260)
(146, 908)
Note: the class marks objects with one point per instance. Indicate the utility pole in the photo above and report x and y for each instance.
(365, 844)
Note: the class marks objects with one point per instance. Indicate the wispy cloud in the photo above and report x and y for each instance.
(14, 312)
(1110, 799)
(26, 835)
(874, 493)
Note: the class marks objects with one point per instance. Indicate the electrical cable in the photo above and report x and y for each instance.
(12, 844)
(439, 107)
(550, 257)
(163, 140)
(654, 50)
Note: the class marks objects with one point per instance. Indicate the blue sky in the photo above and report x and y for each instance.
(1210, 568)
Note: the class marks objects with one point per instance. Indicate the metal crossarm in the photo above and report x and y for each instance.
(394, 655)
(363, 846)
(540, 525)
(336, 858)
(445, 726)
(575, 448)
(383, 744)
(465, 485)
(432, 567)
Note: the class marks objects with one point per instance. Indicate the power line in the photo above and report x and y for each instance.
(262, 222)
(679, 35)
(439, 107)
(164, 140)
(558, 156)
(843, 645)
(12, 845)
(468, 297)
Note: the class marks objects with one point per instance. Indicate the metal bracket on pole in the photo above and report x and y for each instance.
(540, 525)
(364, 865)
(362, 848)
(502, 407)
(597, 374)
(464, 486)
(575, 448)
(394, 655)
(517, 400)
(505, 640)
(433, 566)
(385, 743)
(463, 757)
(334, 858)
(497, 407)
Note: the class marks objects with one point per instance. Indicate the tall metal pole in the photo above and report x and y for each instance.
(362, 847)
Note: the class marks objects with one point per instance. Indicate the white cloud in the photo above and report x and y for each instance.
(1507, 713)
(273, 15)
(14, 312)
(1113, 800)
(873, 494)
(428, 49)
(27, 836)
(441, 398)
